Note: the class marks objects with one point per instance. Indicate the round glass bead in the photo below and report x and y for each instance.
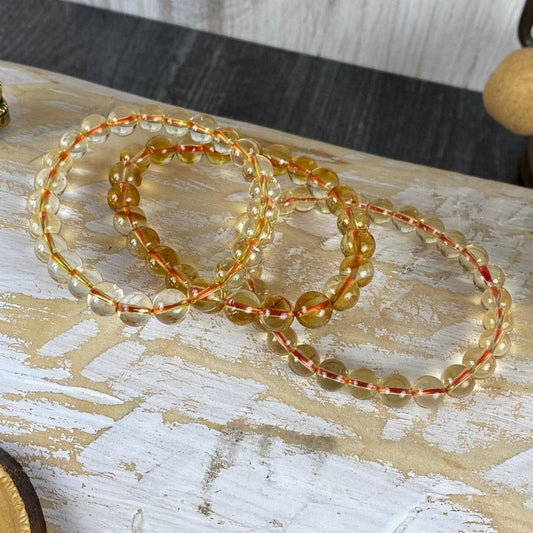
(480, 254)
(364, 272)
(395, 399)
(128, 218)
(360, 243)
(301, 200)
(343, 291)
(341, 197)
(257, 208)
(123, 173)
(120, 120)
(277, 314)
(462, 389)
(297, 366)
(78, 287)
(171, 306)
(299, 167)
(410, 212)
(259, 287)
(58, 158)
(38, 201)
(428, 400)
(71, 260)
(502, 346)
(147, 123)
(496, 274)
(452, 251)
(42, 250)
(270, 188)
(122, 195)
(215, 158)
(160, 260)
(381, 218)
(223, 139)
(50, 224)
(103, 298)
(321, 181)
(275, 345)
(335, 366)
(134, 309)
(161, 152)
(200, 122)
(239, 307)
(258, 165)
(242, 149)
(101, 133)
(286, 202)
(180, 272)
(140, 240)
(313, 309)
(56, 183)
(483, 370)
(180, 126)
(279, 156)
(366, 375)
(233, 282)
(67, 143)
(489, 299)
(214, 302)
(132, 151)
(490, 320)
(432, 222)
(190, 156)
(352, 218)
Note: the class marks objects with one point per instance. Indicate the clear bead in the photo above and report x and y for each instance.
(91, 122)
(297, 366)
(393, 399)
(52, 224)
(480, 254)
(334, 366)
(77, 150)
(436, 224)
(223, 139)
(128, 218)
(103, 298)
(258, 165)
(71, 260)
(451, 252)
(303, 202)
(140, 240)
(171, 306)
(161, 150)
(56, 183)
(160, 260)
(408, 211)
(343, 291)
(321, 181)
(42, 251)
(313, 309)
(277, 315)
(151, 110)
(133, 152)
(275, 345)
(134, 309)
(279, 155)
(235, 281)
(50, 203)
(428, 383)
(56, 158)
(341, 197)
(496, 274)
(119, 113)
(490, 320)
(239, 307)
(502, 346)
(80, 288)
(381, 218)
(366, 375)
(462, 389)
(242, 149)
(285, 202)
(178, 129)
(485, 369)
(213, 303)
(299, 168)
(489, 299)
(269, 210)
(200, 122)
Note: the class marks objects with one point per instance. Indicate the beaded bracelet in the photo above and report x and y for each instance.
(395, 390)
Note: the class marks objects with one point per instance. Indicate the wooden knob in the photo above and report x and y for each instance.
(508, 94)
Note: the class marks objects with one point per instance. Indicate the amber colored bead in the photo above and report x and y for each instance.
(140, 240)
(381, 218)
(297, 366)
(275, 345)
(185, 272)
(160, 260)
(321, 181)
(485, 369)
(366, 375)
(277, 313)
(490, 319)
(408, 211)
(211, 305)
(452, 251)
(279, 156)
(238, 307)
(433, 222)
(353, 218)
(489, 300)
(313, 309)
(357, 242)
(161, 152)
(395, 381)
(334, 366)
(216, 158)
(189, 157)
(503, 345)
(122, 195)
(299, 168)
(122, 173)
(128, 218)
(341, 197)
(132, 151)
(361, 269)
(428, 383)
(343, 291)
(462, 389)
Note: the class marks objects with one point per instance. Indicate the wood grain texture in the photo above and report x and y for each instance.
(199, 427)
(457, 43)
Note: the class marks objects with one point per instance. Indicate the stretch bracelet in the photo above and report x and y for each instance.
(395, 390)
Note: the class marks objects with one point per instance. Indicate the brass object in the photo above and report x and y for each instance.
(4, 110)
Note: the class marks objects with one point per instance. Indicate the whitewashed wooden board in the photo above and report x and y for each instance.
(199, 428)
(457, 43)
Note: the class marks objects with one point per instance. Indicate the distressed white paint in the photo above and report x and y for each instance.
(198, 427)
(457, 43)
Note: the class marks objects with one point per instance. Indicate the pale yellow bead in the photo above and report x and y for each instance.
(410, 212)
(502, 346)
(428, 383)
(489, 299)
(483, 370)
(464, 388)
(334, 366)
(366, 375)
(395, 399)
(433, 222)
(297, 366)
(381, 218)
(459, 241)
(490, 320)
(275, 345)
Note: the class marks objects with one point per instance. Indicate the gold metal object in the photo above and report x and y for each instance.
(4, 110)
